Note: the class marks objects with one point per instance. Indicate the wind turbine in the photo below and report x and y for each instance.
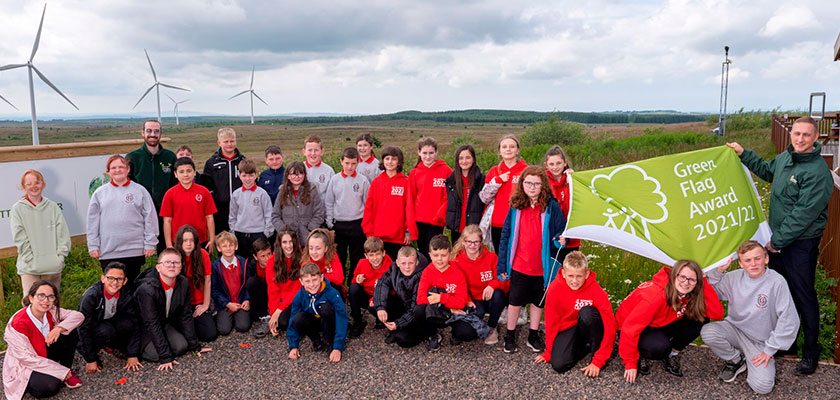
(177, 122)
(155, 86)
(7, 101)
(253, 94)
(31, 67)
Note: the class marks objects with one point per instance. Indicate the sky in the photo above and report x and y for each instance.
(371, 57)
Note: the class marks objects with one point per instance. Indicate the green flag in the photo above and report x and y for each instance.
(699, 205)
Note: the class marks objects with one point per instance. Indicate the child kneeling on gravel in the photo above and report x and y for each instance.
(578, 319)
(318, 312)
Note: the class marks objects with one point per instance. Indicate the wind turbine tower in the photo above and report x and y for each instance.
(177, 122)
(31, 67)
(253, 94)
(155, 86)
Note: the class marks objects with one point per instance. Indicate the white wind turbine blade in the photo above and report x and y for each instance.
(8, 102)
(239, 94)
(144, 95)
(252, 77)
(257, 96)
(183, 101)
(154, 75)
(174, 87)
(47, 81)
(170, 98)
(11, 66)
(38, 36)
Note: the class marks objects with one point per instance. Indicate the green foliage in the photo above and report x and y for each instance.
(553, 131)
(743, 120)
(465, 138)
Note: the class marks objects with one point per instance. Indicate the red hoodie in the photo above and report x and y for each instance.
(562, 306)
(480, 273)
(502, 205)
(280, 294)
(333, 272)
(646, 306)
(371, 275)
(427, 191)
(561, 193)
(453, 280)
(387, 210)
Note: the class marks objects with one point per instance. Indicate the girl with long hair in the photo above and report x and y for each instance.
(298, 205)
(196, 267)
(282, 276)
(558, 168)
(427, 192)
(463, 204)
(320, 249)
(499, 184)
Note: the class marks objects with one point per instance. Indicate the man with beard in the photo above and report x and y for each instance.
(151, 167)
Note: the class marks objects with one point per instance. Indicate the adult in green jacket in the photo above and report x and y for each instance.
(801, 185)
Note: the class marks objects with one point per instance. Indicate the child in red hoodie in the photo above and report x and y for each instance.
(663, 316)
(368, 272)
(387, 209)
(487, 292)
(320, 249)
(499, 184)
(427, 192)
(558, 168)
(578, 319)
(446, 285)
(282, 277)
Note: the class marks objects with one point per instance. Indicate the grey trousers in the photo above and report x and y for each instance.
(725, 339)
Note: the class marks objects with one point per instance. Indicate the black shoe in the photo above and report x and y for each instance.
(806, 367)
(391, 338)
(672, 365)
(535, 341)
(318, 345)
(454, 341)
(434, 342)
(510, 341)
(357, 329)
(644, 366)
(378, 324)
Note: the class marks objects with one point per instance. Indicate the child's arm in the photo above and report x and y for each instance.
(329, 203)
(21, 239)
(92, 226)
(204, 306)
(368, 216)
(62, 235)
(265, 202)
(167, 231)
(277, 214)
(150, 225)
(233, 210)
(211, 232)
(341, 322)
(319, 214)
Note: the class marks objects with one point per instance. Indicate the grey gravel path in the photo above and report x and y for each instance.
(370, 369)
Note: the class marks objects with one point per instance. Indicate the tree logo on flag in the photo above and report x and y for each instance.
(652, 204)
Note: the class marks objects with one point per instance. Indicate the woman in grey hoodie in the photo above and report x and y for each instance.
(298, 204)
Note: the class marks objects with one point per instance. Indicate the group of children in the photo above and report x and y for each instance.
(280, 266)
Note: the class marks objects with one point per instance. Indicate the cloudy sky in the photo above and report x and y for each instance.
(367, 57)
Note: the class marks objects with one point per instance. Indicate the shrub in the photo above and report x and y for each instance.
(554, 131)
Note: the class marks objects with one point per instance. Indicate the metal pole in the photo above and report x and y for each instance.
(157, 92)
(35, 140)
(252, 108)
(724, 92)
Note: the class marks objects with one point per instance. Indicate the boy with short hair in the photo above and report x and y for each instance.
(257, 287)
(163, 299)
(578, 319)
(345, 207)
(185, 151)
(228, 277)
(250, 210)
(318, 312)
(271, 178)
(318, 173)
(395, 298)
(364, 279)
(761, 318)
(444, 284)
(188, 203)
(223, 169)
(111, 319)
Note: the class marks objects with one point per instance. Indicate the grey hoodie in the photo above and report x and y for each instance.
(41, 237)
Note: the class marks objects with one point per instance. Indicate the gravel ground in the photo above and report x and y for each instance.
(371, 369)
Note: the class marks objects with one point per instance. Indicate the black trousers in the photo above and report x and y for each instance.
(176, 340)
(573, 344)
(283, 321)
(454, 236)
(359, 299)
(220, 218)
(133, 265)
(205, 326)
(391, 249)
(565, 252)
(407, 336)
(226, 321)
(657, 343)
(62, 351)
(258, 291)
(460, 329)
(349, 239)
(797, 263)
(425, 233)
(494, 306)
(245, 243)
(496, 236)
(114, 332)
(311, 326)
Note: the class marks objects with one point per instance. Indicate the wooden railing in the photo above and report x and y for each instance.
(830, 244)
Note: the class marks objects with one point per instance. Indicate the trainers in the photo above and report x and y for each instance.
(434, 342)
(318, 344)
(806, 367)
(454, 341)
(262, 328)
(492, 338)
(672, 364)
(510, 342)
(357, 329)
(731, 370)
(644, 366)
(535, 341)
(73, 381)
(391, 338)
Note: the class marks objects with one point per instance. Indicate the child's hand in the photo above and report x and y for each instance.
(434, 298)
(167, 366)
(487, 294)
(149, 253)
(504, 177)
(392, 326)
(294, 354)
(200, 309)
(335, 356)
(382, 315)
(94, 253)
(209, 246)
(630, 375)
(274, 322)
(504, 276)
(539, 359)
(407, 240)
(726, 266)
(471, 304)
(132, 364)
(360, 278)
(246, 305)
(92, 367)
(233, 307)
(591, 370)
(561, 240)
(457, 311)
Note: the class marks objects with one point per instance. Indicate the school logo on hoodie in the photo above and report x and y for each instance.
(198, 197)
(451, 287)
(582, 303)
(397, 190)
(129, 198)
(761, 301)
(438, 182)
(321, 178)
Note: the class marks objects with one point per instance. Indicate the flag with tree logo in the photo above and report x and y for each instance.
(699, 205)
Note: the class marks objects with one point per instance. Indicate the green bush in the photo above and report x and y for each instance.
(553, 131)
